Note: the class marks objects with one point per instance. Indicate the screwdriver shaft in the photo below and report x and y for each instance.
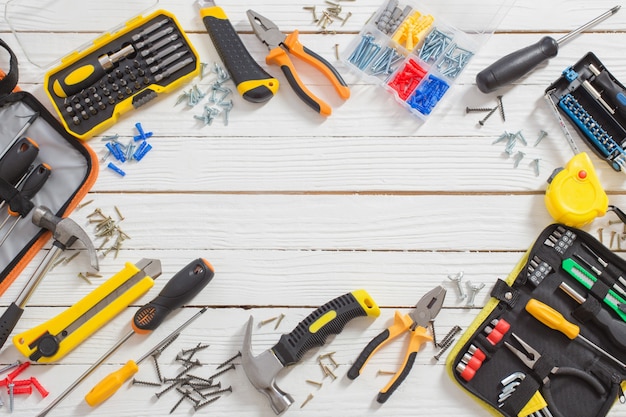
(588, 25)
(602, 351)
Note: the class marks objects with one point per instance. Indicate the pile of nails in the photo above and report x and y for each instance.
(217, 94)
(328, 365)
(199, 390)
(107, 228)
(512, 139)
(135, 150)
(329, 15)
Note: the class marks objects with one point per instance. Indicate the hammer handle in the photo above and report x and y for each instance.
(326, 320)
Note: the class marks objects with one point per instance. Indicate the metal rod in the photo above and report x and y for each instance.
(587, 25)
(19, 134)
(35, 279)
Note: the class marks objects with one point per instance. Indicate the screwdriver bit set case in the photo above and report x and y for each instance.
(124, 68)
(65, 166)
(566, 272)
(417, 52)
(594, 101)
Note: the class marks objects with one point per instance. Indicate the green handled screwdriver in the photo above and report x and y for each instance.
(180, 289)
(516, 64)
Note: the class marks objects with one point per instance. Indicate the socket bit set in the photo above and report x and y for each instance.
(120, 72)
(595, 102)
(415, 55)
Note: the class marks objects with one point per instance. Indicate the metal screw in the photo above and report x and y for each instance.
(432, 330)
(195, 349)
(499, 98)
(381, 372)
(477, 109)
(518, 158)
(167, 389)
(482, 122)
(221, 391)
(474, 289)
(156, 366)
(309, 398)
(600, 229)
(280, 318)
(11, 396)
(444, 347)
(457, 280)
(542, 134)
(266, 321)
(231, 367)
(150, 383)
(178, 403)
(319, 384)
(535, 163)
(238, 354)
(207, 402)
(449, 335)
(328, 372)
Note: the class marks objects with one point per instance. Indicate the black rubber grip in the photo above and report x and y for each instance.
(238, 61)
(15, 163)
(180, 289)
(35, 181)
(8, 321)
(293, 82)
(326, 320)
(516, 64)
(384, 395)
(355, 369)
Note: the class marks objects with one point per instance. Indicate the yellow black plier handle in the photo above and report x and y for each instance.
(401, 324)
(280, 45)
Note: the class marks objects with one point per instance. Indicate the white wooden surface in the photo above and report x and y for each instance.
(293, 210)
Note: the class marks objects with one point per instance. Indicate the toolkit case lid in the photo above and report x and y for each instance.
(52, 16)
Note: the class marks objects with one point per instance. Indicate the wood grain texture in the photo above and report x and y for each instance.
(293, 210)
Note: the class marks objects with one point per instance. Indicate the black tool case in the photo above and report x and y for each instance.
(480, 361)
(73, 171)
(590, 97)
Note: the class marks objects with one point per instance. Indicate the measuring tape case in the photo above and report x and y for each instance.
(73, 171)
(482, 365)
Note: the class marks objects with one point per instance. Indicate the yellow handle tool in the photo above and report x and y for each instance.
(112, 382)
(555, 320)
(56, 337)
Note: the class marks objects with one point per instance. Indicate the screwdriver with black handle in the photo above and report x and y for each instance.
(516, 64)
(17, 159)
(614, 329)
(33, 183)
(180, 289)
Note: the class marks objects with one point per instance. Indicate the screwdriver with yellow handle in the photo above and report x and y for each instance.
(555, 320)
(76, 78)
(180, 289)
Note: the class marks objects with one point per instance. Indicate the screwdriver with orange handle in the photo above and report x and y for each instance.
(180, 289)
(555, 320)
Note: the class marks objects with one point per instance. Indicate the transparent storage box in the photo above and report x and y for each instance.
(416, 51)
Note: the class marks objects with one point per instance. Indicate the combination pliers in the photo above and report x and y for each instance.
(280, 45)
(416, 324)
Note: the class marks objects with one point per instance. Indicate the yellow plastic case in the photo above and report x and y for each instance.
(120, 72)
(540, 276)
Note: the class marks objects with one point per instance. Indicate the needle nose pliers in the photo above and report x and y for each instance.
(279, 45)
(416, 323)
(545, 366)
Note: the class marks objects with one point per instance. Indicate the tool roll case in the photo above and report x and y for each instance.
(587, 382)
(72, 166)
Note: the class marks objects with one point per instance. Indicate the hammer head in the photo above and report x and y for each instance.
(65, 232)
(261, 371)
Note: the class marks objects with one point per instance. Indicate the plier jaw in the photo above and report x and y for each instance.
(265, 30)
(428, 307)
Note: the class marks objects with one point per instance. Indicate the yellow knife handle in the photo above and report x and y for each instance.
(30, 341)
(253, 82)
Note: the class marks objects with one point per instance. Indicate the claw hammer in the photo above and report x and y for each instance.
(65, 233)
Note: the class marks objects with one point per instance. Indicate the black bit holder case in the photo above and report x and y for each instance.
(538, 276)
